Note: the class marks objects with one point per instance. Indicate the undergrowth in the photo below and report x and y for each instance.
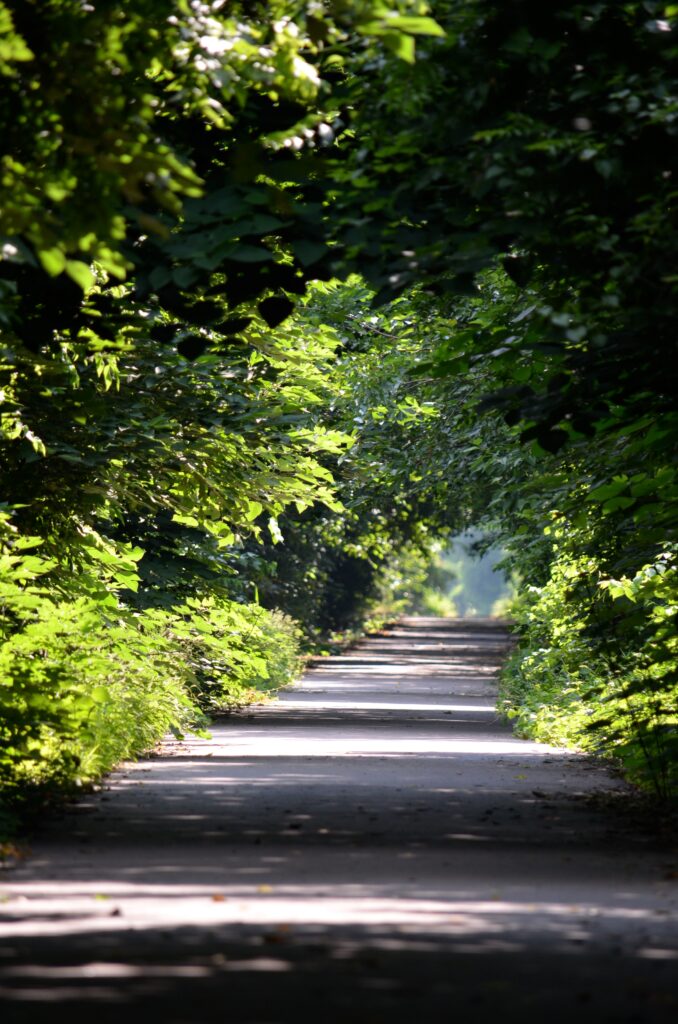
(87, 682)
(568, 683)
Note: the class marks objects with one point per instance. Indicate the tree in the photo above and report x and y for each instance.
(561, 163)
(173, 182)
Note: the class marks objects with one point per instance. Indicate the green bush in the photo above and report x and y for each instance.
(234, 651)
(83, 689)
(86, 682)
(566, 683)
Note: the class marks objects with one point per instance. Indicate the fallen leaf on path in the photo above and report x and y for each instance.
(264, 888)
(219, 898)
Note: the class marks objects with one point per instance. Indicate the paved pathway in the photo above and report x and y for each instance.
(375, 847)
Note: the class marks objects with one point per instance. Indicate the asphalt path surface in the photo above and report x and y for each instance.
(375, 846)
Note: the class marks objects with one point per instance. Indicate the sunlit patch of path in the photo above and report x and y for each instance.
(375, 846)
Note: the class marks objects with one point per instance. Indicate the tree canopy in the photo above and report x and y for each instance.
(290, 292)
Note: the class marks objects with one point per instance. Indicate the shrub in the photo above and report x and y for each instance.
(86, 682)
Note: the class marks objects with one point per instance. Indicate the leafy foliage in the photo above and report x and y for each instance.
(560, 162)
(535, 205)
(201, 424)
(87, 682)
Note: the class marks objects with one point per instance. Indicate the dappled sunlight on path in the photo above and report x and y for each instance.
(376, 839)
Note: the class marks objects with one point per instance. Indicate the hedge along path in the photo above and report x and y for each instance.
(375, 846)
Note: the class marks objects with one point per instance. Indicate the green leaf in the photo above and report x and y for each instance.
(243, 253)
(185, 276)
(401, 45)
(410, 24)
(609, 490)
(254, 509)
(80, 273)
(420, 26)
(308, 252)
(53, 260)
(618, 503)
(101, 695)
